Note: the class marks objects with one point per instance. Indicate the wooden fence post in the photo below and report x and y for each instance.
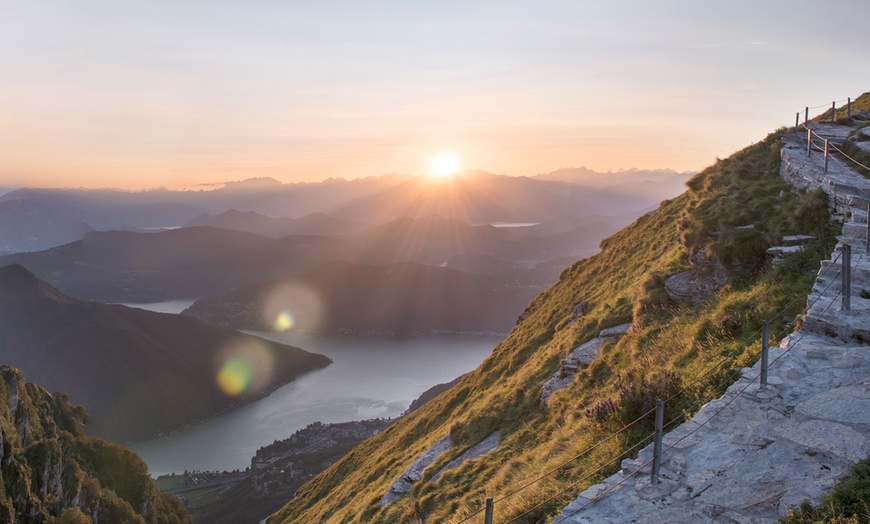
(809, 141)
(826, 155)
(833, 110)
(487, 519)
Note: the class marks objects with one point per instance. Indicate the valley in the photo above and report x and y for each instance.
(434, 262)
(391, 303)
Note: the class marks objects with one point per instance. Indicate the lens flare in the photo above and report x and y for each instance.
(234, 377)
(284, 322)
(292, 306)
(244, 366)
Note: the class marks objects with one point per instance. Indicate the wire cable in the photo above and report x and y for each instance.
(692, 432)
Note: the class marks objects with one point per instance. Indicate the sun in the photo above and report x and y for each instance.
(443, 165)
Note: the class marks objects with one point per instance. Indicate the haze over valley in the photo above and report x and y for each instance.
(392, 256)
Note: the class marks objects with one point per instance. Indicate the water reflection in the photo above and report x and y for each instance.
(369, 378)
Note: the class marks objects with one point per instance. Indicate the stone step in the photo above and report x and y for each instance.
(826, 318)
(848, 192)
(859, 215)
(796, 240)
(855, 230)
(831, 271)
(858, 247)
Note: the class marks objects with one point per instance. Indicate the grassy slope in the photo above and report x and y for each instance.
(624, 282)
(860, 103)
(849, 146)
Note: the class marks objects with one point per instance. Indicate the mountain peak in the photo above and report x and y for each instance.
(17, 277)
(17, 281)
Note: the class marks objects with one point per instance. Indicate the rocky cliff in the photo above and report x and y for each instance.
(52, 473)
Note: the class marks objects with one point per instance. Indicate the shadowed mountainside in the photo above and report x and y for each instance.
(397, 299)
(435, 240)
(26, 226)
(137, 372)
(313, 224)
(121, 266)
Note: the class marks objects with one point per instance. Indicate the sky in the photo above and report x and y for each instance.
(178, 94)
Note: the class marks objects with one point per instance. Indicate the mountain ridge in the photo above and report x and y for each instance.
(137, 372)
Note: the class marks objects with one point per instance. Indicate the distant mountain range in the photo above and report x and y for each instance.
(137, 372)
(476, 198)
(664, 179)
(124, 266)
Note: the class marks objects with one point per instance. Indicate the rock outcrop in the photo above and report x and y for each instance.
(487, 445)
(695, 285)
(405, 483)
(414, 473)
(581, 356)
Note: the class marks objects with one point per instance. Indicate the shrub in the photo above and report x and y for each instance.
(636, 396)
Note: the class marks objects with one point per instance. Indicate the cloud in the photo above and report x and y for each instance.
(705, 46)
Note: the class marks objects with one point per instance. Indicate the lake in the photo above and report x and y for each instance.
(369, 378)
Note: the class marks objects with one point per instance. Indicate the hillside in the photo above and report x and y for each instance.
(137, 372)
(717, 234)
(394, 299)
(436, 240)
(52, 473)
(122, 266)
(313, 224)
(31, 227)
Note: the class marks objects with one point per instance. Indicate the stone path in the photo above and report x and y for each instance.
(768, 449)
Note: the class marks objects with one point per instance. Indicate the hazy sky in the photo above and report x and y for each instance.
(177, 93)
